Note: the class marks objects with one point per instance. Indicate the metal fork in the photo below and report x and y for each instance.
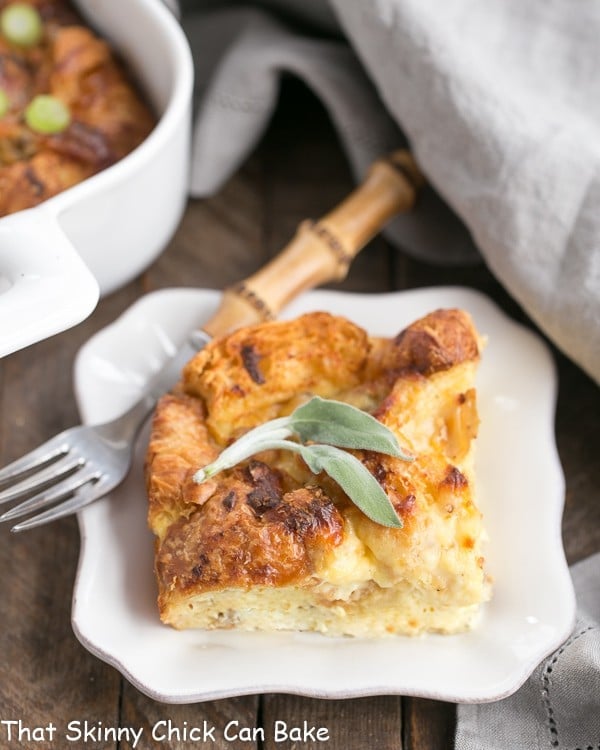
(84, 463)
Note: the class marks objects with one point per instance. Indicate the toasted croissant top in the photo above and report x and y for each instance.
(270, 522)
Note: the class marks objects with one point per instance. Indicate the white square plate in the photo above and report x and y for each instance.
(520, 490)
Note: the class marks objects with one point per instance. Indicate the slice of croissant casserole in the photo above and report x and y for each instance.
(269, 545)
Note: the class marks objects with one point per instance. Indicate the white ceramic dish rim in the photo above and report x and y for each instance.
(64, 289)
(465, 694)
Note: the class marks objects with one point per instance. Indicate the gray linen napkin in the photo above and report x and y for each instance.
(558, 708)
(240, 54)
(500, 102)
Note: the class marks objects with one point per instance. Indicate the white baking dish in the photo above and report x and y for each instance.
(56, 258)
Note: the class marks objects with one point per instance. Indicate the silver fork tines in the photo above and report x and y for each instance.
(56, 471)
(69, 471)
(38, 458)
(57, 492)
(87, 494)
(78, 467)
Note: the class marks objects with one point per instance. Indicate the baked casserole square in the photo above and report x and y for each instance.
(268, 545)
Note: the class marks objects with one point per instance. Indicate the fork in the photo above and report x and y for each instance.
(84, 463)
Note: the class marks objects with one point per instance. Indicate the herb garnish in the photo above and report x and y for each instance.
(327, 426)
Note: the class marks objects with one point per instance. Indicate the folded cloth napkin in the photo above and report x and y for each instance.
(500, 102)
(558, 708)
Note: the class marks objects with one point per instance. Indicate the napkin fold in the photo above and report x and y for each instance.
(558, 708)
(500, 101)
(241, 54)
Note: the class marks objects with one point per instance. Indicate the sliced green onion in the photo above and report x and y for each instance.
(47, 114)
(21, 24)
(4, 102)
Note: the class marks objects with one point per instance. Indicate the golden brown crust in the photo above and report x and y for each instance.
(439, 341)
(179, 444)
(246, 377)
(109, 118)
(270, 522)
(250, 532)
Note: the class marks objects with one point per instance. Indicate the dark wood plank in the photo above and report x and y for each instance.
(305, 176)
(179, 727)
(410, 273)
(345, 724)
(220, 239)
(46, 675)
(428, 725)
(578, 438)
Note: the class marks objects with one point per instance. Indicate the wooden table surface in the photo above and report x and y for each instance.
(46, 676)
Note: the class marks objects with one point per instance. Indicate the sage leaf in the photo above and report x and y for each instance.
(355, 479)
(248, 445)
(328, 426)
(335, 423)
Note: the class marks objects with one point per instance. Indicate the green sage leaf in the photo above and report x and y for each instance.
(355, 479)
(269, 436)
(335, 423)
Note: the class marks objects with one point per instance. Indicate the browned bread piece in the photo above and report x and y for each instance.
(268, 545)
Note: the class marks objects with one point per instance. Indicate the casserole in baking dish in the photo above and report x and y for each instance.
(57, 257)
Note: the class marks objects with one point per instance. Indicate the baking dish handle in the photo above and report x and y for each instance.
(45, 287)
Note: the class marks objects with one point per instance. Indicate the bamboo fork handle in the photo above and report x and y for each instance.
(322, 251)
